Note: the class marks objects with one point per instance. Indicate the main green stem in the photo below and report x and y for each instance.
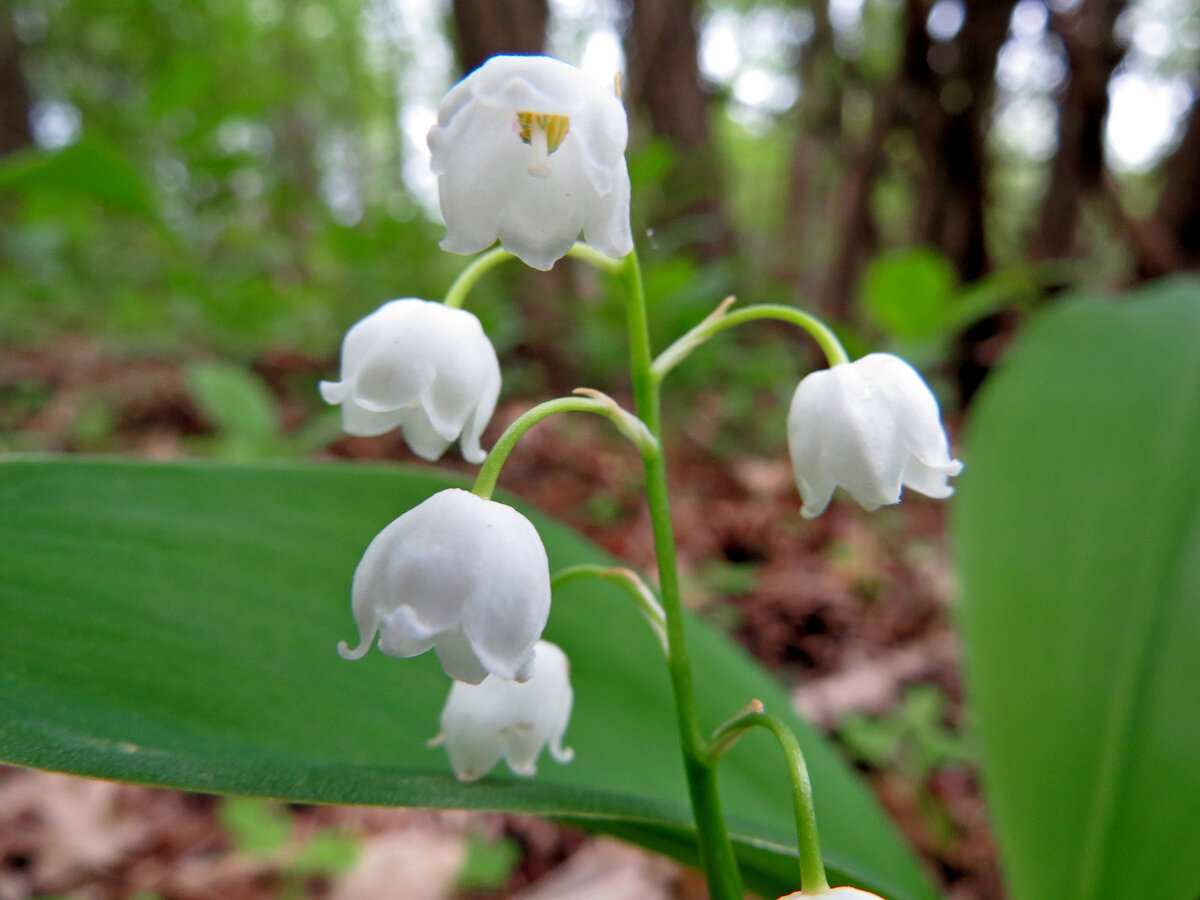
(716, 853)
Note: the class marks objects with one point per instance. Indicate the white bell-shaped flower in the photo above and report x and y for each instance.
(423, 367)
(483, 722)
(465, 576)
(531, 151)
(872, 427)
(837, 893)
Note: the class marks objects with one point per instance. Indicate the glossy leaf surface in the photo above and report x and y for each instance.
(1079, 535)
(176, 625)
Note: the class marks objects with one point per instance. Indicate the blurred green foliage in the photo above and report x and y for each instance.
(909, 293)
(236, 182)
(487, 864)
(228, 178)
(245, 416)
(912, 738)
(254, 824)
(913, 741)
(263, 829)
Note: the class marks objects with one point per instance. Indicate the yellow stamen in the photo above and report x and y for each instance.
(544, 134)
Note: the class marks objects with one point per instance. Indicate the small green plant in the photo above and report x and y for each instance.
(911, 738)
(256, 826)
(245, 416)
(913, 741)
(487, 864)
(262, 829)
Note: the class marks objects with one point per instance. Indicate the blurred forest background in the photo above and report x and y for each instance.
(198, 198)
(234, 178)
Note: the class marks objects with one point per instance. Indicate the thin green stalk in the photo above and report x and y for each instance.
(716, 853)
(720, 320)
(481, 265)
(630, 582)
(489, 472)
(591, 401)
(593, 257)
(812, 868)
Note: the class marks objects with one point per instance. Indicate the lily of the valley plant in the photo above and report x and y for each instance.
(530, 152)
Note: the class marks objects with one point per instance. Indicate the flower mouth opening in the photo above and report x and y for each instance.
(544, 134)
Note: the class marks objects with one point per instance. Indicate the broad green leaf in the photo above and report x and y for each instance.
(239, 406)
(184, 81)
(89, 168)
(909, 293)
(1078, 531)
(176, 625)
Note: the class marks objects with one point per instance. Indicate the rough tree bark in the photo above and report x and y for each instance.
(818, 129)
(852, 209)
(664, 81)
(852, 202)
(951, 132)
(1178, 215)
(488, 27)
(15, 130)
(947, 110)
(1078, 171)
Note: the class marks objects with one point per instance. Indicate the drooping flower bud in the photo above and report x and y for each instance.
(423, 367)
(465, 576)
(497, 718)
(872, 427)
(531, 151)
(837, 893)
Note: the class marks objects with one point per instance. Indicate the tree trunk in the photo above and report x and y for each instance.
(948, 115)
(903, 101)
(1178, 214)
(490, 27)
(1092, 54)
(15, 130)
(951, 132)
(818, 127)
(852, 209)
(664, 81)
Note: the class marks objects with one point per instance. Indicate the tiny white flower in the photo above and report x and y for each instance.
(531, 151)
(423, 367)
(465, 576)
(481, 723)
(872, 427)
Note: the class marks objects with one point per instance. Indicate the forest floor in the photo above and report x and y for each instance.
(851, 611)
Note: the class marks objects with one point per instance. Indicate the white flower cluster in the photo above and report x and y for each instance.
(871, 426)
(483, 722)
(463, 576)
(423, 368)
(468, 578)
(529, 151)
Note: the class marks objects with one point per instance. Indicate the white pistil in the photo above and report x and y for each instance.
(539, 152)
